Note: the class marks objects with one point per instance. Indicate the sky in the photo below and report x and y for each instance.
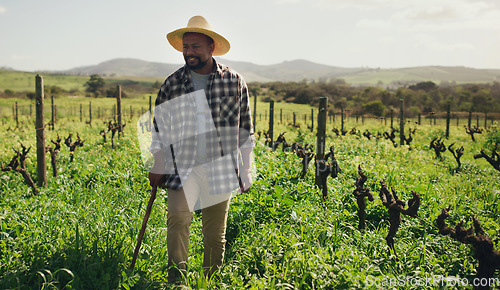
(63, 34)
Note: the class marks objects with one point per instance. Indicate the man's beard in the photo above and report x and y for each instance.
(197, 66)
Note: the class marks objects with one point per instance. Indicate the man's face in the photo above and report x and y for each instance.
(197, 50)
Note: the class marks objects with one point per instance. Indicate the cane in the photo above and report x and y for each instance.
(143, 228)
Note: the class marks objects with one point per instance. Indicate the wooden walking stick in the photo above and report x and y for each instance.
(143, 228)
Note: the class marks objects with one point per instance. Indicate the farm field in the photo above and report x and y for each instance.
(25, 81)
(81, 230)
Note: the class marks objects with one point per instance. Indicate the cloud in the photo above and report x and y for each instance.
(349, 5)
(432, 16)
(413, 15)
(436, 13)
(337, 4)
(286, 2)
(2, 9)
(19, 57)
(427, 42)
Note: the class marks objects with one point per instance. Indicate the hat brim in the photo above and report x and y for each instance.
(222, 46)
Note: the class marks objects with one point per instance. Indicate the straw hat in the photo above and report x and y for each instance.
(200, 25)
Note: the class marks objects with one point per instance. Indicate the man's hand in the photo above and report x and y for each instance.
(246, 180)
(246, 173)
(155, 179)
(156, 173)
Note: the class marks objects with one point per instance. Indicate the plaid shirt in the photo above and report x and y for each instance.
(228, 102)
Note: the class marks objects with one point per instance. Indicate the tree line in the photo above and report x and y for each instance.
(97, 86)
(422, 97)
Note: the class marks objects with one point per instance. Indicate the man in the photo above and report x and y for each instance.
(202, 144)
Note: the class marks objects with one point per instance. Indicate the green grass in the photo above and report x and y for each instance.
(80, 232)
(25, 81)
(436, 74)
(383, 76)
(17, 82)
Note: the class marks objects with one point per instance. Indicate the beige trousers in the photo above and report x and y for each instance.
(179, 217)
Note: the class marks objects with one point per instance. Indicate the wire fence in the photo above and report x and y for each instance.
(86, 111)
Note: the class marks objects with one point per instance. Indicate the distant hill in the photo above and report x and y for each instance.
(125, 67)
(298, 70)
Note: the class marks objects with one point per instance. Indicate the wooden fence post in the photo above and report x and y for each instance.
(341, 119)
(254, 110)
(448, 121)
(81, 113)
(150, 104)
(419, 118)
(151, 114)
(294, 119)
(281, 115)
(119, 108)
(312, 120)
(320, 136)
(401, 122)
(17, 116)
(90, 113)
(392, 118)
(41, 169)
(53, 121)
(271, 122)
(470, 118)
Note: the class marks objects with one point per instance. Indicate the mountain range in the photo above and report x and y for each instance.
(299, 70)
